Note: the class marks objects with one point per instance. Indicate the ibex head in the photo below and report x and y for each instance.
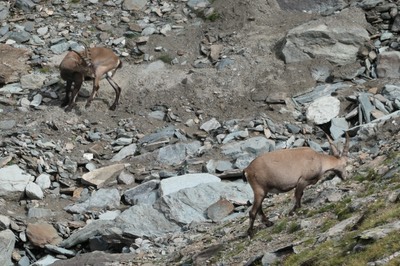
(342, 158)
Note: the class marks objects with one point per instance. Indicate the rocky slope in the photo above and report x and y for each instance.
(207, 86)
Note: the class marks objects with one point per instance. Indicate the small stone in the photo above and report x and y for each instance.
(98, 176)
(7, 124)
(220, 210)
(212, 124)
(43, 181)
(125, 178)
(323, 110)
(40, 234)
(122, 141)
(4, 222)
(39, 213)
(394, 196)
(43, 30)
(293, 128)
(33, 191)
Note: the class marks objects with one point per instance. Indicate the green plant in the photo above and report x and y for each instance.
(342, 250)
(44, 69)
(165, 58)
(378, 250)
(342, 209)
(280, 226)
(373, 175)
(293, 227)
(379, 213)
(132, 34)
(328, 224)
(370, 175)
(359, 177)
(265, 235)
(392, 158)
(213, 16)
(324, 208)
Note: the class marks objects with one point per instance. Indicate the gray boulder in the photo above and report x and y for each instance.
(145, 221)
(336, 38)
(323, 110)
(13, 181)
(338, 127)
(391, 92)
(101, 199)
(177, 153)
(388, 64)
(96, 227)
(176, 183)
(145, 193)
(254, 146)
(7, 243)
(191, 204)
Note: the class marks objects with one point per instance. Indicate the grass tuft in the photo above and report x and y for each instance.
(214, 16)
(166, 58)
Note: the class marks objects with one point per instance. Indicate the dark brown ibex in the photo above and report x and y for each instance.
(91, 63)
(282, 170)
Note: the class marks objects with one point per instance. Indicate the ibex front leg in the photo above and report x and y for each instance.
(70, 100)
(96, 87)
(299, 190)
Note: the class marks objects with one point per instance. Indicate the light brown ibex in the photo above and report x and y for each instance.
(282, 170)
(91, 63)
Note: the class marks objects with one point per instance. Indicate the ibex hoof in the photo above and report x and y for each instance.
(68, 109)
(268, 223)
(113, 107)
(250, 233)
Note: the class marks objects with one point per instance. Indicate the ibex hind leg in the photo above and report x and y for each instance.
(117, 90)
(96, 87)
(255, 209)
(264, 218)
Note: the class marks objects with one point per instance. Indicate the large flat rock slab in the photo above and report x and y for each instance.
(176, 183)
(335, 38)
(98, 258)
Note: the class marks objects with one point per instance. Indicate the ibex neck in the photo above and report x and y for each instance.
(329, 162)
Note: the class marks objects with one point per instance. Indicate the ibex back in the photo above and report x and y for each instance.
(281, 171)
(92, 63)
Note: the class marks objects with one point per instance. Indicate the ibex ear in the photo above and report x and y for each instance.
(333, 147)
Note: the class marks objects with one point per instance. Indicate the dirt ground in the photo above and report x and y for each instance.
(249, 32)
